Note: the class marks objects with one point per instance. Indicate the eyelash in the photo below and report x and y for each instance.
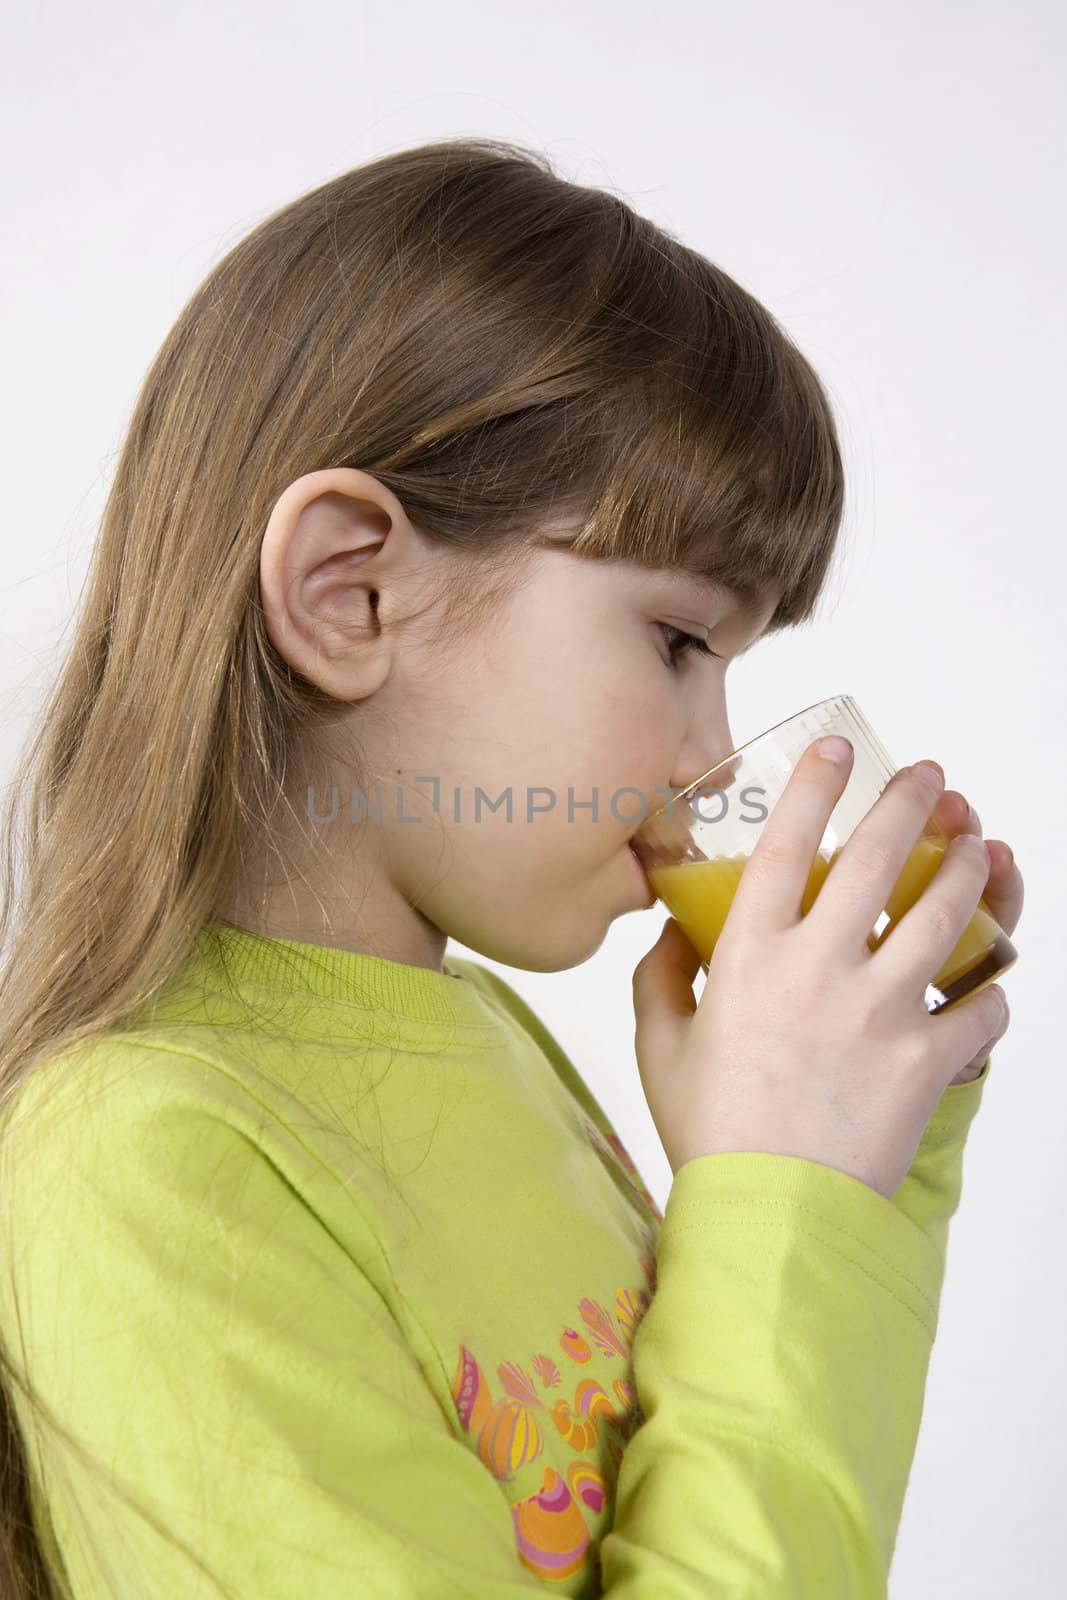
(682, 644)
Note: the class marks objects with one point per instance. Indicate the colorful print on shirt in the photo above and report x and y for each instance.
(592, 1416)
(611, 1148)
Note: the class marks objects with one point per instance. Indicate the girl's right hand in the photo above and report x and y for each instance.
(805, 1042)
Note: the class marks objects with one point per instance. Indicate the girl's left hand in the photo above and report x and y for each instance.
(1003, 893)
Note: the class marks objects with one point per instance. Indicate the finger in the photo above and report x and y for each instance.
(1003, 858)
(974, 1066)
(873, 857)
(1005, 891)
(663, 997)
(916, 946)
(995, 1037)
(771, 889)
(954, 814)
(972, 1070)
(971, 1027)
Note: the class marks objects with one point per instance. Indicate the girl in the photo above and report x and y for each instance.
(454, 487)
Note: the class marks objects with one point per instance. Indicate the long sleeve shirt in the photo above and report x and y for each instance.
(335, 1280)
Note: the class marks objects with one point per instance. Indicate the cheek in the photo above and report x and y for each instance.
(636, 744)
(644, 720)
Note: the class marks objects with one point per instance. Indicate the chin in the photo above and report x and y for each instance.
(545, 954)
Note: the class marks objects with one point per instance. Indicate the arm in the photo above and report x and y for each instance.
(781, 1369)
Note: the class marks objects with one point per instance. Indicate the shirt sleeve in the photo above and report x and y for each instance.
(233, 1408)
(781, 1368)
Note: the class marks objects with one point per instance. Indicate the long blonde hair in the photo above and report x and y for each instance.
(494, 343)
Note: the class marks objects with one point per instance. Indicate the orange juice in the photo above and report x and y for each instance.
(698, 896)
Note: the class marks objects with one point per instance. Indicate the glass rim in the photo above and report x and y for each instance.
(741, 748)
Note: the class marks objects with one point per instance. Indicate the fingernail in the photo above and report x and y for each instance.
(834, 748)
(931, 771)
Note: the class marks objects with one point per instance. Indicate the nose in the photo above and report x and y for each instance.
(709, 742)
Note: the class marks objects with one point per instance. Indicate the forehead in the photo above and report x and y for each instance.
(688, 593)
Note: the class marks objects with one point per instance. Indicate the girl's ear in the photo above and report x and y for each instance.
(330, 574)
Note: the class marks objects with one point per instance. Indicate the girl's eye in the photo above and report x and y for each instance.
(679, 643)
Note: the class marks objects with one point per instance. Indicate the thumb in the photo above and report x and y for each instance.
(663, 996)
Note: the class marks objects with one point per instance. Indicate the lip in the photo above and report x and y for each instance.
(650, 893)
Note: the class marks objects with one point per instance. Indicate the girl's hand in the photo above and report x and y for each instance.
(1003, 893)
(804, 1042)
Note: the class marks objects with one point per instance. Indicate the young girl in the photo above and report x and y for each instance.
(454, 488)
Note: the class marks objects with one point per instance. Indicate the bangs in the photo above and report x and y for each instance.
(720, 459)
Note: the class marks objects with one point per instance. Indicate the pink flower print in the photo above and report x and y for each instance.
(599, 1324)
(547, 1371)
(518, 1384)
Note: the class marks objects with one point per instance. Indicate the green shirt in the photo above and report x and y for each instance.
(337, 1281)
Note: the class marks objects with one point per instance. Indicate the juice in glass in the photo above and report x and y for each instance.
(699, 894)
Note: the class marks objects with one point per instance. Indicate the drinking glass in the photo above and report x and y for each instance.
(694, 848)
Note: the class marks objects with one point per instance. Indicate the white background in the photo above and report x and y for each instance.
(889, 181)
